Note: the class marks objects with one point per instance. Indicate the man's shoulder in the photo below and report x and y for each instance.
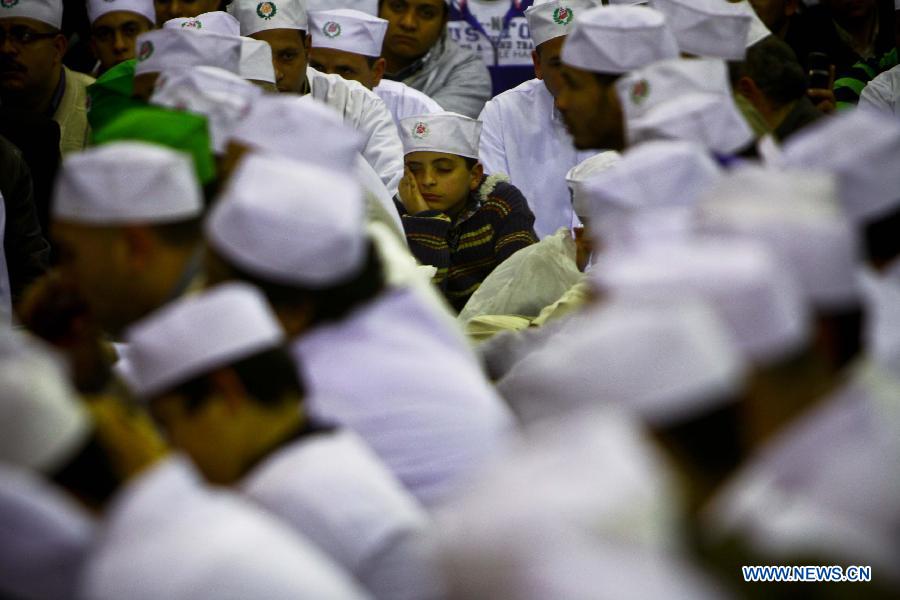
(398, 89)
(77, 78)
(498, 192)
(325, 85)
(454, 54)
(526, 92)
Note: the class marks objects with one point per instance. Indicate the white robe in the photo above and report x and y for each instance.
(524, 137)
(333, 490)
(5, 289)
(45, 537)
(404, 101)
(365, 112)
(883, 92)
(168, 536)
(406, 381)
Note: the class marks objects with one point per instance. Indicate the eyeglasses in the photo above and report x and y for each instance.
(20, 35)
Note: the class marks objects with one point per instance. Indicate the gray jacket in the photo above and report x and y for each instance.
(454, 77)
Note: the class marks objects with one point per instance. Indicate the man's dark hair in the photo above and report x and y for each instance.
(89, 475)
(270, 378)
(445, 5)
(882, 239)
(329, 304)
(774, 68)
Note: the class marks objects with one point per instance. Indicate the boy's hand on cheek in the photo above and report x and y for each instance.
(410, 194)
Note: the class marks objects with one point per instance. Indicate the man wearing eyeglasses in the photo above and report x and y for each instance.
(32, 76)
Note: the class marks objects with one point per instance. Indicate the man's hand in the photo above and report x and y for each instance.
(410, 194)
(823, 98)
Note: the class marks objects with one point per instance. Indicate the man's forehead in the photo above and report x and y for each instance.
(40, 26)
(341, 58)
(418, 3)
(118, 17)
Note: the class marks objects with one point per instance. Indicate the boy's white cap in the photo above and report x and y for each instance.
(441, 132)
(347, 30)
(45, 11)
(98, 8)
(650, 194)
(666, 361)
(686, 99)
(216, 21)
(262, 15)
(862, 147)
(299, 128)
(549, 19)
(222, 97)
(578, 177)
(198, 334)
(41, 419)
(163, 48)
(712, 28)
(798, 215)
(291, 223)
(256, 61)
(618, 39)
(741, 279)
(370, 7)
(127, 182)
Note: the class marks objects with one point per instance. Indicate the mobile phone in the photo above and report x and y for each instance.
(819, 70)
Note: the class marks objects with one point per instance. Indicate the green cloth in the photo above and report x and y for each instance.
(110, 95)
(182, 131)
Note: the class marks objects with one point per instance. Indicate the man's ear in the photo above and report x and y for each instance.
(378, 71)
(226, 384)
(536, 59)
(477, 173)
(61, 44)
(747, 88)
(140, 243)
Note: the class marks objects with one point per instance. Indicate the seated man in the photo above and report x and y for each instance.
(32, 75)
(420, 54)
(115, 27)
(455, 218)
(348, 43)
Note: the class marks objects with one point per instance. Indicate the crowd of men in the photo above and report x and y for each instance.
(439, 299)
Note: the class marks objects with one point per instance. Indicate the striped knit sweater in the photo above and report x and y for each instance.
(494, 225)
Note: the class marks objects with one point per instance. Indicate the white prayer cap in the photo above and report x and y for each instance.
(862, 147)
(683, 99)
(713, 28)
(220, 96)
(98, 8)
(370, 7)
(290, 222)
(618, 39)
(650, 194)
(798, 215)
(162, 48)
(441, 132)
(42, 421)
(256, 15)
(198, 334)
(667, 361)
(217, 21)
(127, 182)
(750, 290)
(758, 30)
(583, 172)
(45, 11)
(347, 30)
(549, 19)
(300, 128)
(256, 61)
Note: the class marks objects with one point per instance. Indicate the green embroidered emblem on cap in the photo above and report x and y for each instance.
(8, 3)
(145, 51)
(192, 24)
(640, 91)
(563, 15)
(331, 29)
(266, 10)
(420, 130)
